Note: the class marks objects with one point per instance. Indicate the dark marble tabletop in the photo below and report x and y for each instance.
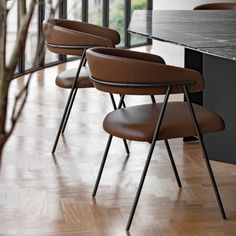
(212, 32)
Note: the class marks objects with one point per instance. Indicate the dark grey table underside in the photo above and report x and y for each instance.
(209, 38)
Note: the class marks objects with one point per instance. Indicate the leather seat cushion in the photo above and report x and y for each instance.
(138, 122)
(66, 78)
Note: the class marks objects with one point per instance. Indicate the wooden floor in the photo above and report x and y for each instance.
(45, 195)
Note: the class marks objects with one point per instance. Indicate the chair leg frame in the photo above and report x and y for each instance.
(106, 150)
(170, 154)
(115, 108)
(71, 104)
(173, 163)
(151, 149)
(148, 160)
(208, 165)
(102, 165)
(153, 99)
(69, 110)
(69, 101)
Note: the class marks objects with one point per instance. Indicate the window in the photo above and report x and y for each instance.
(115, 14)
(49, 56)
(138, 5)
(95, 12)
(31, 41)
(117, 18)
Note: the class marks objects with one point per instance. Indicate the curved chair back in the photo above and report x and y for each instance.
(125, 72)
(216, 6)
(68, 37)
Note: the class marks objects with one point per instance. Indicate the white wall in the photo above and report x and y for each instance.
(182, 4)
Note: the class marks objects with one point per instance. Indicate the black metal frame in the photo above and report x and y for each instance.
(106, 9)
(73, 92)
(169, 85)
(70, 100)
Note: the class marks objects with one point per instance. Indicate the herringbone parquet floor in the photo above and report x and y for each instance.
(45, 195)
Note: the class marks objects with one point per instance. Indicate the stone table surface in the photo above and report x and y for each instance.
(212, 32)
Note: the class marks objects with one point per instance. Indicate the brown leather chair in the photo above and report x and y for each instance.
(135, 73)
(216, 6)
(68, 37)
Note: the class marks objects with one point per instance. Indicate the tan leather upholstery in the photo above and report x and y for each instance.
(62, 32)
(65, 79)
(216, 6)
(117, 71)
(138, 122)
(122, 66)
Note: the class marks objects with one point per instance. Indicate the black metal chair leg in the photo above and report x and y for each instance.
(213, 182)
(123, 102)
(170, 154)
(62, 121)
(71, 104)
(126, 146)
(68, 112)
(102, 165)
(73, 90)
(153, 99)
(131, 215)
(113, 101)
(115, 108)
(173, 163)
(156, 132)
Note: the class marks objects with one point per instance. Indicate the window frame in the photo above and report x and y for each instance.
(63, 14)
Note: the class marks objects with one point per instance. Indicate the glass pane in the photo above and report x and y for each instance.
(11, 30)
(49, 56)
(49, 7)
(138, 5)
(95, 12)
(32, 40)
(74, 11)
(117, 18)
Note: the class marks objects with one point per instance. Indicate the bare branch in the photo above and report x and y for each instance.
(4, 85)
(3, 35)
(7, 71)
(22, 8)
(53, 9)
(16, 113)
(12, 5)
(21, 98)
(21, 38)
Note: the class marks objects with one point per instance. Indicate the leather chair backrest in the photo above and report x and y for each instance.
(126, 67)
(61, 32)
(216, 6)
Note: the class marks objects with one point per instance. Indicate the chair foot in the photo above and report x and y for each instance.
(173, 163)
(131, 215)
(126, 146)
(212, 178)
(215, 188)
(68, 104)
(68, 111)
(102, 165)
